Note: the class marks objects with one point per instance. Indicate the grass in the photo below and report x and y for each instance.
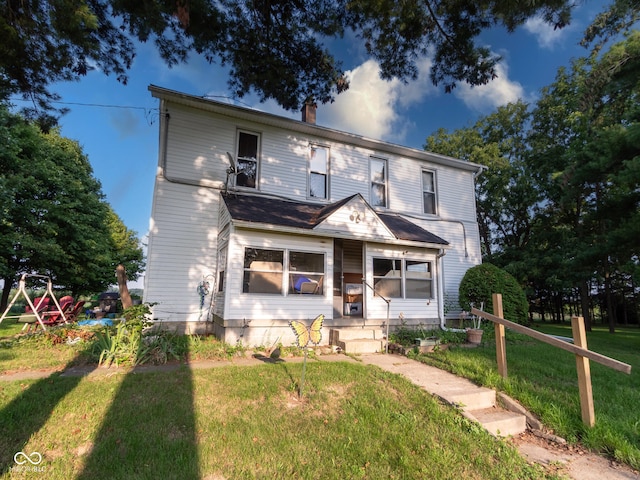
(246, 422)
(544, 379)
(56, 347)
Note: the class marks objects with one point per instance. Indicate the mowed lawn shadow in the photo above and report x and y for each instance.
(149, 430)
(29, 412)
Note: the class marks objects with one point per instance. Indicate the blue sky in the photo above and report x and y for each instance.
(122, 143)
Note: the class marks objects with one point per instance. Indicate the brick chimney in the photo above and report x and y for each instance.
(309, 112)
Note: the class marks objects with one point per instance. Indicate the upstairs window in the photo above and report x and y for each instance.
(248, 144)
(429, 192)
(318, 172)
(378, 168)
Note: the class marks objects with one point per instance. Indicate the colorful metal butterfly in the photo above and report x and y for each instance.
(305, 334)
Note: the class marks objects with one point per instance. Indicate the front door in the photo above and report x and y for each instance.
(348, 272)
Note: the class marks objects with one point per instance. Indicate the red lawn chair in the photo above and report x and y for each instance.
(55, 316)
(72, 315)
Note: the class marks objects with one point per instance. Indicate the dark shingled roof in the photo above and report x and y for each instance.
(257, 209)
(404, 229)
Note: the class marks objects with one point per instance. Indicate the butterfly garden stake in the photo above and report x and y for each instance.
(304, 336)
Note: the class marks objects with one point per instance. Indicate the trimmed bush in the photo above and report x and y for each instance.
(481, 281)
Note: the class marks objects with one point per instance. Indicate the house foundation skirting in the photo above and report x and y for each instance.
(259, 332)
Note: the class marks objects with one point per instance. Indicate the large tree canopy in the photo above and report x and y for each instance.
(53, 217)
(275, 47)
(559, 202)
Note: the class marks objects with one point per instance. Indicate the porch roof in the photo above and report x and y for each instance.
(273, 211)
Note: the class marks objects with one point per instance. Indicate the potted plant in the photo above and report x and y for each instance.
(474, 333)
(426, 342)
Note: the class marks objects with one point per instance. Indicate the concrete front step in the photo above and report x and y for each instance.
(357, 340)
(361, 345)
(499, 422)
(477, 398)
(350, 333)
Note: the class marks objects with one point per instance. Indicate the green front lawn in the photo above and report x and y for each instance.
(245, 422)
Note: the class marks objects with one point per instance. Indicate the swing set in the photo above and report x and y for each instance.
(39, 311)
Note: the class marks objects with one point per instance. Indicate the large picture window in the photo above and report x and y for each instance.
(401, 278)
(318, 172)
(378, 168)
(248, 145)
(265, 271)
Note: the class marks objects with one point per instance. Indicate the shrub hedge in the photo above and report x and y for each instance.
(481, 281)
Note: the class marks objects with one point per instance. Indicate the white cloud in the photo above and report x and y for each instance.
(494, 94)
(546, 36)
(372, 106)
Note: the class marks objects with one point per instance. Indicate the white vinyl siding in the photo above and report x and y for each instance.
(262, 308)
(185, 224)
(182, 249)
(418, 309)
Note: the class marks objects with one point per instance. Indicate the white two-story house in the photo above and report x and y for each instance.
(258, 220)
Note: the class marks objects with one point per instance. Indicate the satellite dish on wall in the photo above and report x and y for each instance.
(233, 166)
(232, 170)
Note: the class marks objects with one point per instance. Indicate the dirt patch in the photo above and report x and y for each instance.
(570, 460)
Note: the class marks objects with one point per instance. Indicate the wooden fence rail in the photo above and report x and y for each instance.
(579, 349)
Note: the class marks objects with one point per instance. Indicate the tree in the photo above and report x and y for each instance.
(559, 203)
(504, 193)
(274, 47)
(129, 258)
(585, 133)
(53, 217)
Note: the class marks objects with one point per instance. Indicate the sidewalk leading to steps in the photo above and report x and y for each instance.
(476, 403)
(570, 461)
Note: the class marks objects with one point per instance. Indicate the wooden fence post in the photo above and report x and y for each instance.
(584, 373)
(501, 346)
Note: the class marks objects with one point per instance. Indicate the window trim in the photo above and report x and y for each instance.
(249, 270)
(285, 285)
(434, 192)
(403, 276)
(373, 158)
(223, 258)
(430, 279)
(240, 131)
(326, 174)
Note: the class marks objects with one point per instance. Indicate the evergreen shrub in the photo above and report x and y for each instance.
(481, 281)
